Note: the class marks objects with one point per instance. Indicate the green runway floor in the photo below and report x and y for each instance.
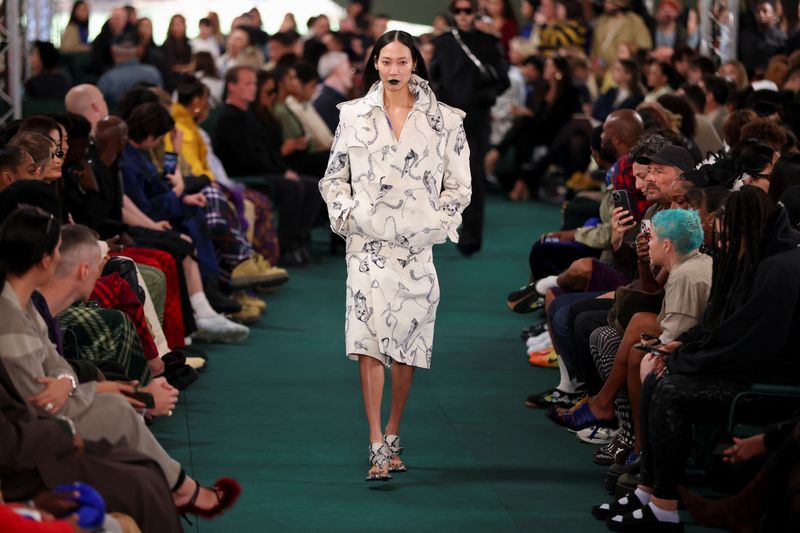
(283, 413)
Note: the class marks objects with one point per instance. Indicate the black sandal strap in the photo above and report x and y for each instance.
(179, 482)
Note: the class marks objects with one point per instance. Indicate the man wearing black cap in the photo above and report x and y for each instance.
(663, 168)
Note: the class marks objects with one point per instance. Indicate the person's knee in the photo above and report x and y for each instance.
(581, 268)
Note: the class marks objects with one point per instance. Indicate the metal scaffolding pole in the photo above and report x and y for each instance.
(11, 52)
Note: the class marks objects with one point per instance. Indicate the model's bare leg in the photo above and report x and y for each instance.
(372, 378)
(402, 375)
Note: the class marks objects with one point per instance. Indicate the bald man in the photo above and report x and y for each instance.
(87, 100)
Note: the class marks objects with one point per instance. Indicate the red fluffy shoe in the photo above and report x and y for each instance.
(227, 490)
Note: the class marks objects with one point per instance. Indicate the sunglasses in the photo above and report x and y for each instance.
(59, 154)
(462, 11)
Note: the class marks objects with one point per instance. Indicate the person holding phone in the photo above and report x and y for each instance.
(392, 204)
(676, 237)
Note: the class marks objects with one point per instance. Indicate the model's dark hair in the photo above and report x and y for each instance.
(149, 119)
(188, 89)
(26, 236)
(371, 73)
(743, 222)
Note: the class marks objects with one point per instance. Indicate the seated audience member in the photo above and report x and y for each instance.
(305, 155)
(127, 72)
(246, 149)
(626, 94)
(205, 70)
(38, 146)
(548, 110)
(739, 341)
(45, 451)
(716, 105)
(29, 241)
(238, 41)
(176, 47)
(75, 37)
(768, 492)
(160, 200)
(56, 135)
(73, 280)
(676, 237)
(116, 28)
(15, 164)
(754, 162)
(733, 125)
(46, 81)
(152, 54)
(206, 40)
(300, 104)
(337, 81)
(761, 38)
(660, 77)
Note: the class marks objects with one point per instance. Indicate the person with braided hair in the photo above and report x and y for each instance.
(740, 341)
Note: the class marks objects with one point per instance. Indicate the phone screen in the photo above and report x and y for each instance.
(170, 162)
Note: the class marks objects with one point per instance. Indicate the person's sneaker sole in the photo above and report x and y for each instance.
(257, 281)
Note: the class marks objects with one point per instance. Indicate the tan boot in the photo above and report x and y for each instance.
(253, 271)
(246, 300)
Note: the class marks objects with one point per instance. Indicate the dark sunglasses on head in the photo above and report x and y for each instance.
(462, 10)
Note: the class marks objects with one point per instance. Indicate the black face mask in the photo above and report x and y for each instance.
(607, 152)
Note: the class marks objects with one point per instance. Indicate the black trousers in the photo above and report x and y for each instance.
(477, 128)
(669, 407)
(585, 317)
(298, 204)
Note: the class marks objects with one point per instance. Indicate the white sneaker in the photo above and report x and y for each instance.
(596, 435)
(219, 329)
(537, 340)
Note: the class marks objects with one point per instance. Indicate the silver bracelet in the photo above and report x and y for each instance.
(71, 378)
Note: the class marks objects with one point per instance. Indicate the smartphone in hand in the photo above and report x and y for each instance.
(621, 199)
(170, 162)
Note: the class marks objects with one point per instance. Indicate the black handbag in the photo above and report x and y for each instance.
(127, 271)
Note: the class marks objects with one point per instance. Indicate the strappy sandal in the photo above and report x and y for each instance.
(379, 455)
(395, 463)
(227, 491)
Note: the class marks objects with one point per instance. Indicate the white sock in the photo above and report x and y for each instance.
(538, 339)
(643, 496)
(665, 516)
(544, 284)
(565, 385)
(200, 305)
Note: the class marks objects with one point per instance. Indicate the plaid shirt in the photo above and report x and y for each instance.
(622, 179)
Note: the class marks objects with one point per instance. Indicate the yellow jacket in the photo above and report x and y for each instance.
(193, 150)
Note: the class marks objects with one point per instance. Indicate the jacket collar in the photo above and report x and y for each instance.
(425, 101)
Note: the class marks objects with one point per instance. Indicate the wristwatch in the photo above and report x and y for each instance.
(71, 378)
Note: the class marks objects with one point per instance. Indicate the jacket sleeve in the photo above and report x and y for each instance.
(457, 180)
(166, 205)
(335, 185)
(727, 350)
